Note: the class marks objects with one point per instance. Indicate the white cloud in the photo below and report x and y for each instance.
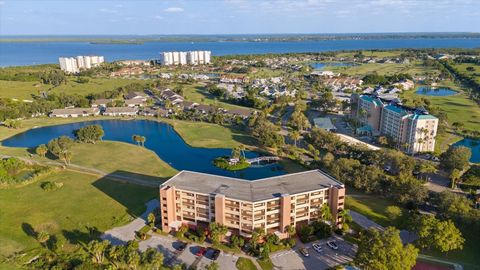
(2, 3)
(107, 10)
(158, 17)
(173, 9)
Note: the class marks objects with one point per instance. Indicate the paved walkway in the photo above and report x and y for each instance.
(365, 222)
(121, 235)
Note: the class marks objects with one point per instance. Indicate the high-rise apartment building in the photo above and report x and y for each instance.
(413, 130)
(78, 63)
(184, 58)
(271, 204)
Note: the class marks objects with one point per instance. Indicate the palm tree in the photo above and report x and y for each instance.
(344, 216)
(454, 176)
(291, 231)
(142, 140)
(41, 150)
(295, 136)
(43, 238)
(135, 139)
(325, 213)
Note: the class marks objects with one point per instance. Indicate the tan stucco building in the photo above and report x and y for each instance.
(414, 130)
(271, 204)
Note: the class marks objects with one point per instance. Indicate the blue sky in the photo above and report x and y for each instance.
(21, 17)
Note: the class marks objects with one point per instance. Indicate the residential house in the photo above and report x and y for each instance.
(120, 111)
(74, 112)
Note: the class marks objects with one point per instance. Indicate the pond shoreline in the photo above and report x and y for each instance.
(162, 138)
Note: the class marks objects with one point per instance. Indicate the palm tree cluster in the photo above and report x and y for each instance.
(139, 140)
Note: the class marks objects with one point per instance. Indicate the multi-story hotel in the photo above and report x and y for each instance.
(184, 58)
(271, 204)
(76, 64)
(413, 130)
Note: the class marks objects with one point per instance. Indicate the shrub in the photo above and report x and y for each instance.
(51, 185)
(393, 212)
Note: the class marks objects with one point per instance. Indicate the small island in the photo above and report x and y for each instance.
(235, 162)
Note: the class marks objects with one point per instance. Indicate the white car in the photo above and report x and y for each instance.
(317, 247)
(332, 245)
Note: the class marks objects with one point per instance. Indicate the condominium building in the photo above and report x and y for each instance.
(184, 58)
(78, 63)
(412, 129)
(271, 204)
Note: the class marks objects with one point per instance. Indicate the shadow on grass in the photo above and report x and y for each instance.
(132, 190)
(81, 237)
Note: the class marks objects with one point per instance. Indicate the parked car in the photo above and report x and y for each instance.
(332, 245)
(317, 247)
(435, 159)
(215, 254)
(200, 252)
(181, 246)
(304, 252)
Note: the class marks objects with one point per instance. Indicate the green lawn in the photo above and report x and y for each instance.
(245, 264)
(414, 68)
(265, 264)
(199, 134)
(370, 206)
(25, 90)
(83, 201)
(463, 68)
(112, 157)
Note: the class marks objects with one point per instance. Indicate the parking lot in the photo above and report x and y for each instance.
(169, 248)
(327, 258)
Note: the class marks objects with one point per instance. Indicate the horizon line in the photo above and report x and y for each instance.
(239, 34)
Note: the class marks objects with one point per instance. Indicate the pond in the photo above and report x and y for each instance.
(432, 91)
(161, 138)
(474, 145)
(322, 65)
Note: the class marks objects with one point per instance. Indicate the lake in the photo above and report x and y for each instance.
(474, 145)
(33, 53)
(430, 91)
(161, 138)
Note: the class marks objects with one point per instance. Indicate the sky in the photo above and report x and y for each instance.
(91, 17)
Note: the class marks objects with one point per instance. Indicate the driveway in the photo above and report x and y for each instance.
(121, 235)
(326, 259)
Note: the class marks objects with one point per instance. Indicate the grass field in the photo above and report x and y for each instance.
(414, 69)
(25, 90)
(463, 68)
(371, 206)
(265, 264)
(83, 201)
(245, 264)
(207, 135)
(109, 156)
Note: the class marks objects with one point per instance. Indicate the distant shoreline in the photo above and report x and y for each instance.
(126, 39)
